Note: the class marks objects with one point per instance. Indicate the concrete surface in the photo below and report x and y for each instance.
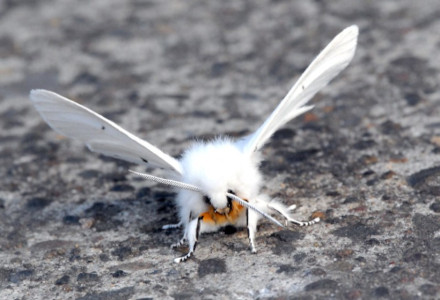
(75, 225)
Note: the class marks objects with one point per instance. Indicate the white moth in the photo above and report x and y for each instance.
(219, 181)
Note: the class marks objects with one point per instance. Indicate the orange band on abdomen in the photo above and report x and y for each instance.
(213, 218)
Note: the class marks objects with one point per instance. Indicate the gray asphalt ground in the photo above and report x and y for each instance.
(76, 225)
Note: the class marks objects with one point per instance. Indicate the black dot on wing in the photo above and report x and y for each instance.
(103, 127)
(144, 160)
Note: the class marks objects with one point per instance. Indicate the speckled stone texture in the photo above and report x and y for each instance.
(76, 225)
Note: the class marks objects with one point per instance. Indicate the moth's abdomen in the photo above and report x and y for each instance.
(211, 217)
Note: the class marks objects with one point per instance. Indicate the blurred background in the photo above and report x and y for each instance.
(74, 225)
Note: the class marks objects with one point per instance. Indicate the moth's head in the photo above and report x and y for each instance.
(221, 203)
(220, 167)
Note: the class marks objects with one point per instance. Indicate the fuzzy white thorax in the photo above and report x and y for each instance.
(219, 166)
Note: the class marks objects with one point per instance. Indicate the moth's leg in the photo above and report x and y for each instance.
(192, 234)
(181, 242)
(283, 210)
(303, 223)
(172, 226)
(251, 221)
(185, 222)
(291, 207)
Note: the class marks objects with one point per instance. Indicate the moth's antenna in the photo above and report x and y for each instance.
(190, 187)
(178, 184)
(248, 205)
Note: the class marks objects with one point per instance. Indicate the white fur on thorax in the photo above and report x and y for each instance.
(216, 167)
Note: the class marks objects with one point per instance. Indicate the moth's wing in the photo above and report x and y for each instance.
(98, 133)
(332, 60)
